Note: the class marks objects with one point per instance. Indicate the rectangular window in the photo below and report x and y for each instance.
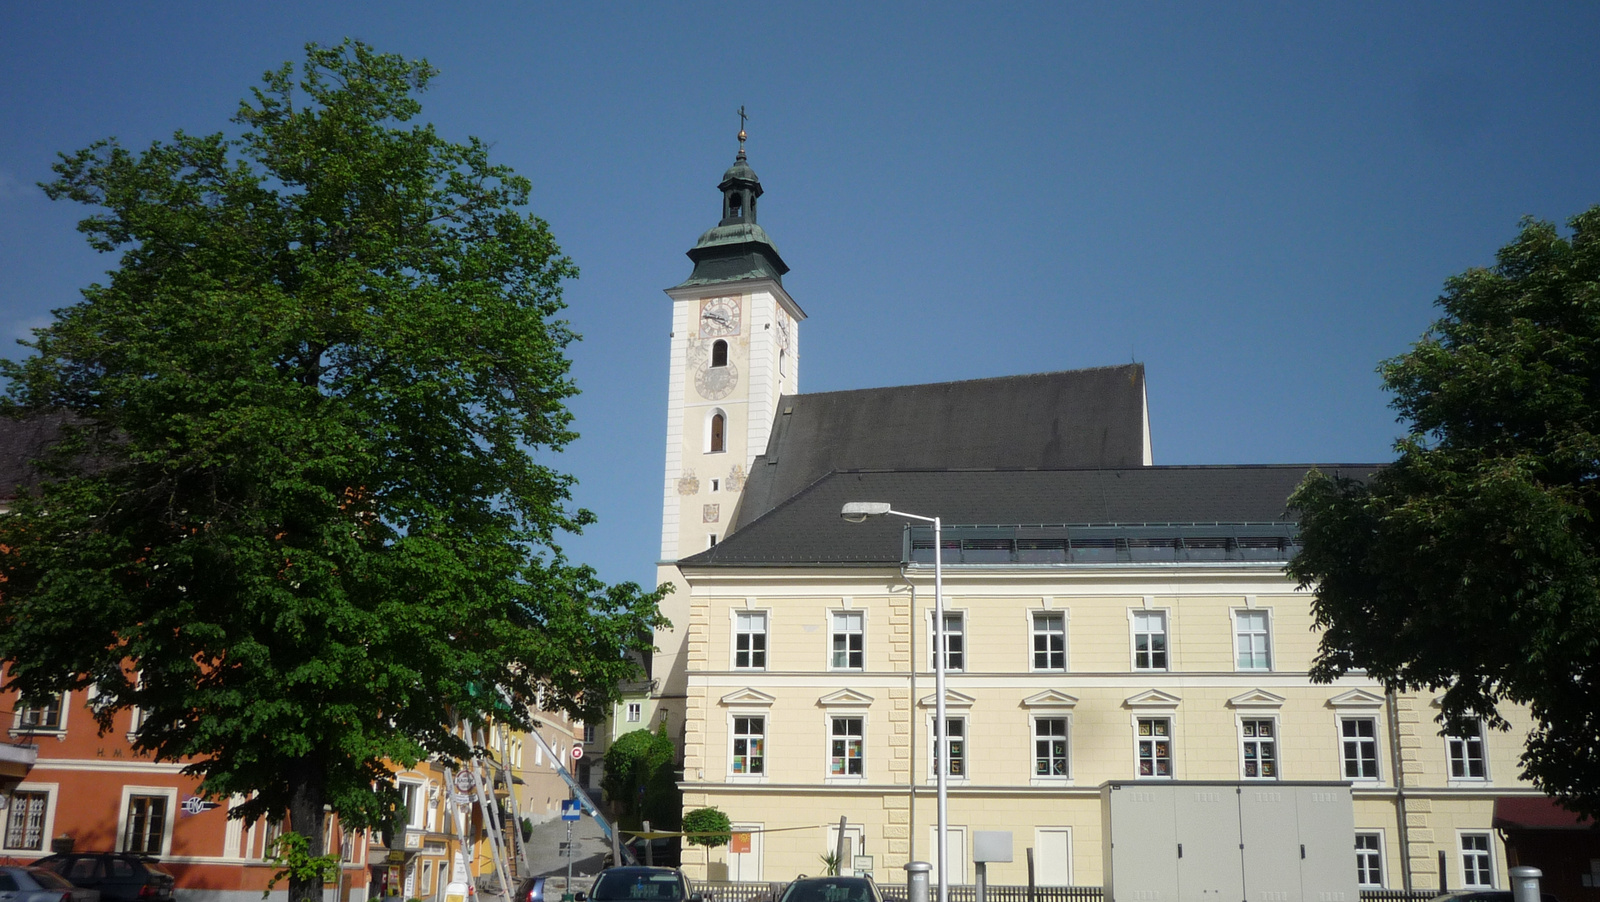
(1049, 641)
(1467, 761)
(411, 797)
(1155, 747)
(849, 640)
(749, 745)
(845, 758)
(41, 717)
(1369, 860)
(1149, 640)
(588, 732)
(1358, 747)
(1477, 861)
(1050, 747)
(635, 711)
(750, 640)
(1259, 749)
(954, 641)
(1252, 641)
(25, 821)
(955, 741)
(147, 822)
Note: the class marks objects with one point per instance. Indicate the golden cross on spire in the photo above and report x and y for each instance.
(742, 118)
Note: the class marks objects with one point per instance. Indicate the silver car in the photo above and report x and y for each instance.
(39, 885)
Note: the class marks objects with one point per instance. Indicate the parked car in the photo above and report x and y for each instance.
(529, 889)
(640, 884)
(25, 884)
(832, 889)
(119, 876)
(661, 852)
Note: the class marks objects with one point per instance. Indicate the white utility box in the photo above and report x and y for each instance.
(1267, 841)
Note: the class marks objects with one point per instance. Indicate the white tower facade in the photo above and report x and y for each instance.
(735, 352)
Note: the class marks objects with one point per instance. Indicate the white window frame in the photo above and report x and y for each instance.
(1035, 634)
(961, 617)
(828, 726)
(1239, 633)
(956, 836)
(1038, 843)
(834, 632)
(416, 814)
(51, 791)
(1049, 779)
(1489, 853)
(1344, 757)
(1383, 863)
(171, 818)
(1172, 744)
(734, 715)
(711, 415)
(765, 634)
(1134, 632)
(965, 777)
(635, 712)
(63, 699)
(1245, 741)
(738, 861)
(1451, 742)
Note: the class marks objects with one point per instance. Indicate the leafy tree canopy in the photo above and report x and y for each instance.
(707, 827)
(301, 512)
(641, 779)
(1472, 565)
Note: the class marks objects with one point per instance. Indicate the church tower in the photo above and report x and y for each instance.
(735, 351)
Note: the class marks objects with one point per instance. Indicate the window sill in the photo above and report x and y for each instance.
(747, 778)
(1051, 782)
(27, 732)
(854, 780)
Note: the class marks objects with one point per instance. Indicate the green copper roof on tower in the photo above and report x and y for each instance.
(736, 249)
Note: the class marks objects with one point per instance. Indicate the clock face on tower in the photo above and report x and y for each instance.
(719, 316)
(715, 382)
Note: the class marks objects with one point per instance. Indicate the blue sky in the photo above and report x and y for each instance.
(1258, 201)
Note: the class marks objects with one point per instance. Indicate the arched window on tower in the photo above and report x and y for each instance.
(735, 209)
(719, 353)
(716, 442)
(782, 369)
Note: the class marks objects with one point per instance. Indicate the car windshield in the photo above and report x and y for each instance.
(830, 889)
(663, 886)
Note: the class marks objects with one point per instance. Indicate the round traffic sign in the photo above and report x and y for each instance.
(577, 752)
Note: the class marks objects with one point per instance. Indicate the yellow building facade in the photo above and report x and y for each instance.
(1110, 619)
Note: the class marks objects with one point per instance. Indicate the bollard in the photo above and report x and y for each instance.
(983, 881)
(917, 881)
(1525, 884)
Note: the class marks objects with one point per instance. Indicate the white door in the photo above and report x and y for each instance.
(745, 865)
(1052, 856)
(957, 865)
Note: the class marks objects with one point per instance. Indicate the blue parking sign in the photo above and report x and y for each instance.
(570, 810)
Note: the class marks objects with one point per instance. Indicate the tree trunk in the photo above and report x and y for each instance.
(307, 792)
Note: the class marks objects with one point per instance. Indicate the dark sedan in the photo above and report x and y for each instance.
(119, 876)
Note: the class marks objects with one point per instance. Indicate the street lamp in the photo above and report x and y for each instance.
(856, 512)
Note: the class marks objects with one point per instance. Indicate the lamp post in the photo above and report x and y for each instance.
(855, 512)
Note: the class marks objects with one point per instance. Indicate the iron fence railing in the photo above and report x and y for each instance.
(769, 891)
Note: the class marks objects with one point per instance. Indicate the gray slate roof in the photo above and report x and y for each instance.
(23, 441)
(807, 530)
(1075, 418)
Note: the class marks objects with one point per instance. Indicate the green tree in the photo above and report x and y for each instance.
(641, 779)
(707, 827)
(301, 511)
(1472, 564)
